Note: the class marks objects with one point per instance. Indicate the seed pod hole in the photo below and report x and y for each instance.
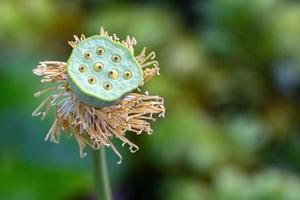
(98, 67)
(115, 58)
(82, 68)
(107, 86)
(88, 55)
(100, 51)
(91, 80)
(127, 75)
(113, 74)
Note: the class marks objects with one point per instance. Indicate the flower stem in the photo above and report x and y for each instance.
(102, 185)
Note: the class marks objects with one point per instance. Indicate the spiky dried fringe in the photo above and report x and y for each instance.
(97, 126)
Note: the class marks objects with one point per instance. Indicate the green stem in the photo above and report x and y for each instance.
(102, 186)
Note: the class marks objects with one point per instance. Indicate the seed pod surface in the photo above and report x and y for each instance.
(95, 71)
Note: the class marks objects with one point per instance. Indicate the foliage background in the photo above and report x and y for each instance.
(230, 74)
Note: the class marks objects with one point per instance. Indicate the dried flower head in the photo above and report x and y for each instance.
(92, 95)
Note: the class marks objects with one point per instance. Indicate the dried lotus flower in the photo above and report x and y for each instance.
(93, 94)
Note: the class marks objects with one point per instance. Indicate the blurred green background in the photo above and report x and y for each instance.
(230, 75)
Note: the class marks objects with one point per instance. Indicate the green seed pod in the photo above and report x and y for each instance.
(101, 71)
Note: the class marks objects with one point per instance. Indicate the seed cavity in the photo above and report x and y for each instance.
(100, 51)
(127, 74)
(107, 86)
(115, 58)
(98, 67)
(88, 55)
(91, 80)
(113, 74)
(82, 68)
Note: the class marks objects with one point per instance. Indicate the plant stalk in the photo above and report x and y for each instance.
(102, 185)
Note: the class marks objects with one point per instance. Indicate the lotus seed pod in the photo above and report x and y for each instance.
(92, 96)
(101, 71)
